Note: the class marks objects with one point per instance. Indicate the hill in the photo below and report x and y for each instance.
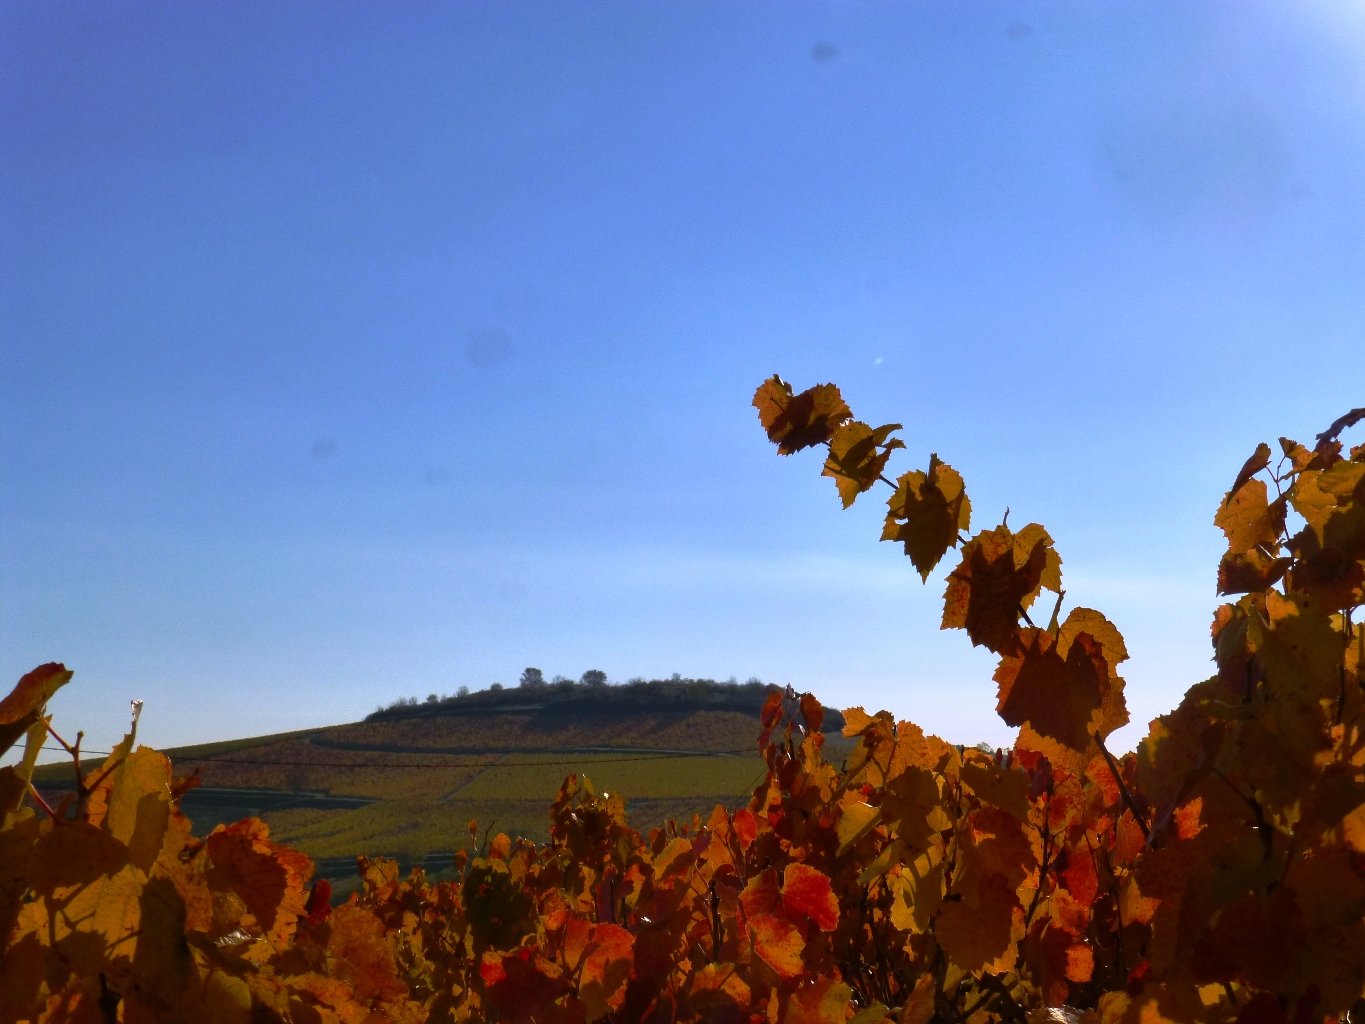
(406, 781)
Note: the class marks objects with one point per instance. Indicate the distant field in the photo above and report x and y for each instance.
(633, 778)
(517, 797)
(560, 728)
(297, 764)
(406, 784)
(414, 832)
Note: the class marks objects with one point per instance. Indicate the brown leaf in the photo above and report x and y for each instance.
(926, 512)
(361, 955)
(719, 993)
(1058, 697)
(521, 984)
(1300, 652)
(1102, 632)
(999, 576)
(1001, 787)
(33, 691)
(1258, 461)
(981, 934)
(268, 878)
(1247, 520)
(799, 421)
(22, 706)
(812, 712)
(855, 461)
(824, 1001)
(1250, 572)
(602, 984)
(919, 1008)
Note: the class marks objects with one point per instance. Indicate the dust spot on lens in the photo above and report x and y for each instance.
(324, 448)
(823, 53)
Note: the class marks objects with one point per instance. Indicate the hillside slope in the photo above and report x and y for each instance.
(406, 781)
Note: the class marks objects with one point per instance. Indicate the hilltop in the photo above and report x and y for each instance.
(655, 695)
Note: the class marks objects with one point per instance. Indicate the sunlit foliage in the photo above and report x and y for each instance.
(1216, 875)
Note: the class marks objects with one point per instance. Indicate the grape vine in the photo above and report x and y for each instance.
(1215, 875)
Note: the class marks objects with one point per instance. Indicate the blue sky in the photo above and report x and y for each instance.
(350, 351)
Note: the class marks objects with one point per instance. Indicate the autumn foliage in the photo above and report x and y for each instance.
(1217, 874)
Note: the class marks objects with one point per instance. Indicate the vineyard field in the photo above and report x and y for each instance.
(406, 786)
(558, 728)
(662, 778)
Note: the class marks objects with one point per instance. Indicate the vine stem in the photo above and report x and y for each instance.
(1128, 800)
(41, 802)
(1042, 870)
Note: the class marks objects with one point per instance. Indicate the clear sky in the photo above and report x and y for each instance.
(351, 351)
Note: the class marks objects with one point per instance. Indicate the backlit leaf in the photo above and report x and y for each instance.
(1258, 461)
(1247, 520)
(778, 942)
(807, 892)
(1080, 877)
(1250, 571)
(606, 970)
(917, 891)
(1060, 698)
(799, 421)
(823, 1001)
(361, 954)
(926, 513)
(812, 712)
(135, 806)
(521, 984)
(21, 706)
(1001, 788)
(979, 931)
(919, 1008)
(855, 821)
(1300, 651)
(720, 993)
(998, 577)
(268, 878)
(746, 827)
(857, 457)
(763, 894)
(33, 691)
